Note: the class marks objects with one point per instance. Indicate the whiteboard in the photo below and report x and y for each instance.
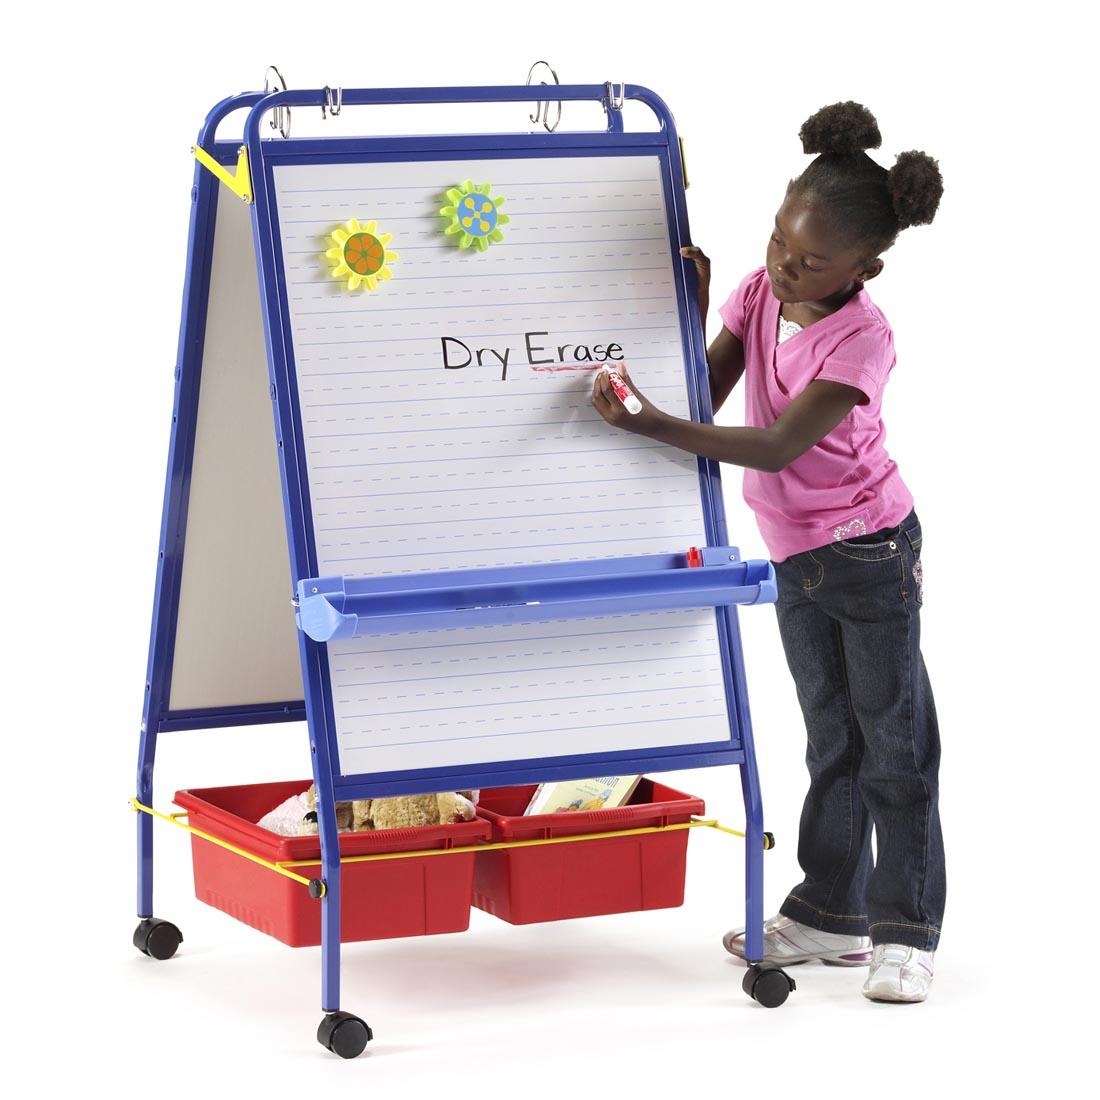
(416, 463)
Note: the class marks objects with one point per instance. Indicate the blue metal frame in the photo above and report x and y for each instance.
(264, 155)
(156, 717)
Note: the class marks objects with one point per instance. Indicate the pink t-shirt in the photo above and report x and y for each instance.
(846, 485)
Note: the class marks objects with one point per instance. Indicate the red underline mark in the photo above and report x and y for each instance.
(579, 366)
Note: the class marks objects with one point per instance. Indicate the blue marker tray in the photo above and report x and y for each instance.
(330, 608)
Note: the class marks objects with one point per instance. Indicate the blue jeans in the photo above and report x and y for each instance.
(849, 617)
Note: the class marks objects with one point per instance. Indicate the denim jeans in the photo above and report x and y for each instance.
(849, 617)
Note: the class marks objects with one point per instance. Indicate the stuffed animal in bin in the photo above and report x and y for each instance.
(405, 811)
(398, 812)
(349, 815)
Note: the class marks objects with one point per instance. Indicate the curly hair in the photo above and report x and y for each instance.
(866, 204)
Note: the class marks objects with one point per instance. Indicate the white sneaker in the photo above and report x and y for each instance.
(899, 973)
(787, 942)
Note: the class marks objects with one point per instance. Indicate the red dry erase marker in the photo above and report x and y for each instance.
(622, 390)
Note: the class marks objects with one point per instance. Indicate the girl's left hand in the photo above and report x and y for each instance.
(614, 411)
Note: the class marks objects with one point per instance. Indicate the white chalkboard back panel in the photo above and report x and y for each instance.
(447, 425)
(235, 549)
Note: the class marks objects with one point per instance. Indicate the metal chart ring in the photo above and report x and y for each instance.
(280, 116)
(542, 111)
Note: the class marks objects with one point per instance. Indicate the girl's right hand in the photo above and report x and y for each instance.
(702, 265)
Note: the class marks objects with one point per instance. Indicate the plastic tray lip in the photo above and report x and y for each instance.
(674, 805)
(269, 844)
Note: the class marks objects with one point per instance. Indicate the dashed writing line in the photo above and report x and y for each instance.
(685, 719)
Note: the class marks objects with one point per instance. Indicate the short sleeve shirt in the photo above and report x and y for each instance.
(846, 485)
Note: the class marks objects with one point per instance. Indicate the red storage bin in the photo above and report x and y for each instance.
(590, 877)
(380, 900)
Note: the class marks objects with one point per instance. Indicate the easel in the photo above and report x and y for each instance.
(191, 682)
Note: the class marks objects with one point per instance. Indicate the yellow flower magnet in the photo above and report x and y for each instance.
(475, 215)
(360, 255)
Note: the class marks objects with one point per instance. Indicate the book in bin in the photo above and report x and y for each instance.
(577, 795)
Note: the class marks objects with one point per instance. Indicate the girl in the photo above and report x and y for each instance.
(815, 353)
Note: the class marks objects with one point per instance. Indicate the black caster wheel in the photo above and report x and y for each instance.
(159, 939)
(767, 985)
(344, 1034)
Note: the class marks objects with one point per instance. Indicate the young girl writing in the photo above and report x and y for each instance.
(815, 354)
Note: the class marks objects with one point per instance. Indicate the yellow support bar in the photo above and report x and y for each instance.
(693, 824)
(684, 164)
(171, 819)
(240, 183)
(283, 867)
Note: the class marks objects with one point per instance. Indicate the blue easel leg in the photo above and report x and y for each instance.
(330, 906)
(146, 753)
(754, 862)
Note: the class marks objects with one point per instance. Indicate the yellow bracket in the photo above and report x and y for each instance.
(240, 183)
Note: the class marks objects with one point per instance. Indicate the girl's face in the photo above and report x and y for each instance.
(807, 261)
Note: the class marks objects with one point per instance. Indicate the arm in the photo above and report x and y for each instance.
(725, 364)
(806, 420)
(726, 356)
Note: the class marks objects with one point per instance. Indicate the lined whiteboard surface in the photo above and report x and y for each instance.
(454, 697)
(417, 463)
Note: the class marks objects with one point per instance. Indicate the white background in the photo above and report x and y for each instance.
(988, 416)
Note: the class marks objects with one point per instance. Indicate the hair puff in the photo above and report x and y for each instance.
(916, 187)
(841, 128)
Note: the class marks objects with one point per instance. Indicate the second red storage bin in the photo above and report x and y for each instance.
(549, 882)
